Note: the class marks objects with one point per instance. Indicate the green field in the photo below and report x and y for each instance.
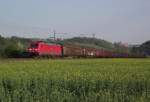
(75, 80)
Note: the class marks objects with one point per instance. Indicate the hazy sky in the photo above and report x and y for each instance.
(112, 20)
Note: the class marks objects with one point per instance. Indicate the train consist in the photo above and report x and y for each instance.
(40, 48)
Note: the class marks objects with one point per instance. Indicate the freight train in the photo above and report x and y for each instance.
(40, 48)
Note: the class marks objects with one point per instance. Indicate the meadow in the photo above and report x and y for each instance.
(75, 80)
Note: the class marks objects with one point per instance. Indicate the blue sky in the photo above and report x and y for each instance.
(112, 20)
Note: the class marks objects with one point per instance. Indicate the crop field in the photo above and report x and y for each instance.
(75, 80)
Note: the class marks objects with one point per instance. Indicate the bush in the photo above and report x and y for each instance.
(12, 51)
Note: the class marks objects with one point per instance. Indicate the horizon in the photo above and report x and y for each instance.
(73, 38)
(111, 20)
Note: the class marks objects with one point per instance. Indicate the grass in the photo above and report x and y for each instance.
(75, 80)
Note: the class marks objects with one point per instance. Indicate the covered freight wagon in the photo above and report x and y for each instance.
(72, 51)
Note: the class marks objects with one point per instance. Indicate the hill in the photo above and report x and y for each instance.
(143, 48)
(89, 42)
(97, 43)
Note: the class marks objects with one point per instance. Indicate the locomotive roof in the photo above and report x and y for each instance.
(34, 42)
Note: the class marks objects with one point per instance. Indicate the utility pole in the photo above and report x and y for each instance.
(54, 34)
(82, 35)
(93, 35)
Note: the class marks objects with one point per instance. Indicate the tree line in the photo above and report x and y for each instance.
(16, 46)
(12, 47)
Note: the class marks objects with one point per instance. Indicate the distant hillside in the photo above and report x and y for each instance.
(97, 43)
(143, 48)
(89, 42)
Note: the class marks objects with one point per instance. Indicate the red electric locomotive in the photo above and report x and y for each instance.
(40, 48)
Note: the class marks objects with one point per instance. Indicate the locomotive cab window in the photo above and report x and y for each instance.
(34, 45)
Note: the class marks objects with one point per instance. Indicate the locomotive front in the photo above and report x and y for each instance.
(33, 48)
